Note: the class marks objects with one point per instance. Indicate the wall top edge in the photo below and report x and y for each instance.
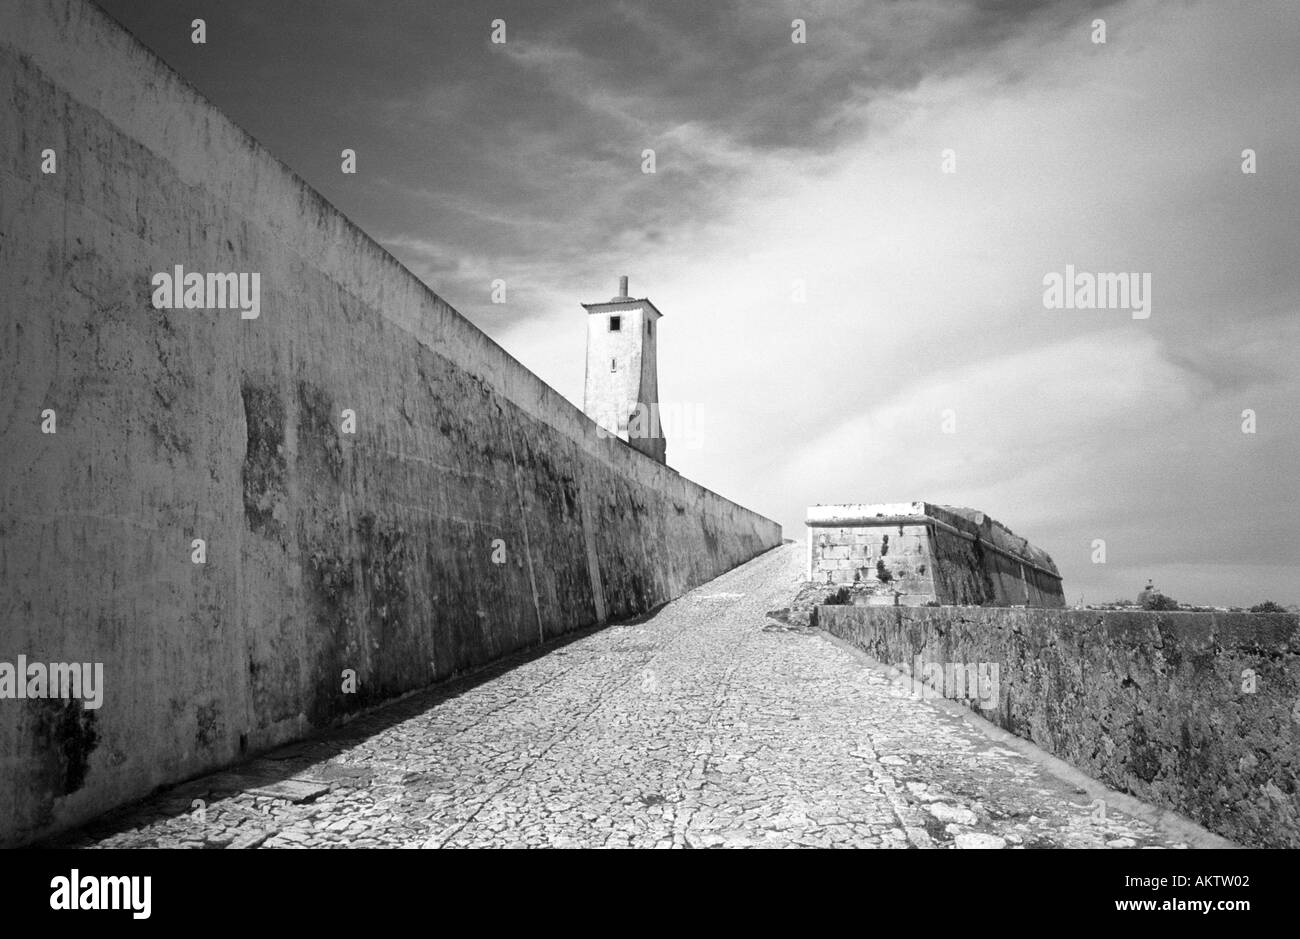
(90, 57)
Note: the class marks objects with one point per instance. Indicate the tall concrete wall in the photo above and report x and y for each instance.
(325, 551)
(1198, 712)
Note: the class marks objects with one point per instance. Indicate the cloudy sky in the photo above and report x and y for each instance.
(921, 362)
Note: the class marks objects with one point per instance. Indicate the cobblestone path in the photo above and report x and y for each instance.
(707, 723)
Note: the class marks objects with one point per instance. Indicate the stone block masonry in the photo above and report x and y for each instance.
(233, 513)
(1196, 712)
(914, 553)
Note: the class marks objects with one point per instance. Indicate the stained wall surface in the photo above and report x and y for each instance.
(1196, 712)
(473, 512)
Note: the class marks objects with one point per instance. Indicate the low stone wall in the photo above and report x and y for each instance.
(1196, 712)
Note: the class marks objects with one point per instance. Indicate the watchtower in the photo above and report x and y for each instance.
(622, 386)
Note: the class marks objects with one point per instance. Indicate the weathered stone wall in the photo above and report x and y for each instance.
(1198, 712)
(913, 553)
(882, 561)
(969, 573)
(325, 550)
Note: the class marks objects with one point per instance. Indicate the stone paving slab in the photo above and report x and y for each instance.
(706, 724)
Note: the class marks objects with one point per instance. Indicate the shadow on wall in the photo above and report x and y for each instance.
(259, 526)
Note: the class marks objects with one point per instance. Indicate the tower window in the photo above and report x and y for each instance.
(647, 327)
(613, 365)
(615, 324)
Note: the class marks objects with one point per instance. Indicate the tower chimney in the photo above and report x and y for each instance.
(622, 288)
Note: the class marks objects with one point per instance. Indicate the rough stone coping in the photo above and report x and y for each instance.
(1218, 631)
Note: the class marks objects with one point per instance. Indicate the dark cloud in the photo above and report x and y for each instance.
(493, 150)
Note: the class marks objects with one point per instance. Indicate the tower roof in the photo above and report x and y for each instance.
(621, 301)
